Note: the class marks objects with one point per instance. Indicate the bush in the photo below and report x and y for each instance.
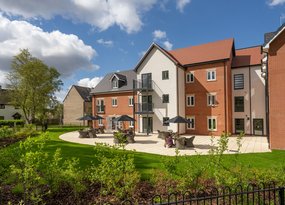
(116, 173)
(11, 123)
(28, 130)
(6, 132)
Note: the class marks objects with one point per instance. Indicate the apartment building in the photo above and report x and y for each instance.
(112, 97)
(274, 72)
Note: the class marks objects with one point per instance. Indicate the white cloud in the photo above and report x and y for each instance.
(105, 42)
(3, 79)
(158, 34)
(141, 54)
(180, 4)
(167, 45)
(101, 14)
(66, 52)
(276, 2)
(87, 82)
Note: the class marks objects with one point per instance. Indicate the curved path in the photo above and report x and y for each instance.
(152, 144)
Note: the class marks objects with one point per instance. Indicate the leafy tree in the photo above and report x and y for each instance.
(34, 85)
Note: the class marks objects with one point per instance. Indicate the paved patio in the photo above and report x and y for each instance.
(152, 144)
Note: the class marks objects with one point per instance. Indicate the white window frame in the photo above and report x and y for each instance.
(212, 118)
(189, 74)
(190, 96)
(98, 102)
(210, 99)
(116, 84)
(114, 100)
(211, 75)
(100, 122)
(190, 126)
(131, 124)
(131, 101)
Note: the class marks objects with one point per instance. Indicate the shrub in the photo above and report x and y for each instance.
(116, 173)
(11, 123)
(6, 132)
(121, 137)
(28, 130)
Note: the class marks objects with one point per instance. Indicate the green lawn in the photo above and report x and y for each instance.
(145, 163)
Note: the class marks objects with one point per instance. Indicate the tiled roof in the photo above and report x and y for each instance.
(218, 50)
(84, 92)
(269, 36)
(105, 85)
(247, 56)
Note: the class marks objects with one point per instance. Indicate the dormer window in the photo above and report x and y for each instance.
(115, 83)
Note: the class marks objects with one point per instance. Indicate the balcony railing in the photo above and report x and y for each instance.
(143, 108)
(100, 108)
(143, 85)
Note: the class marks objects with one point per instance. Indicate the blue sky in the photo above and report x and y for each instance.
(86, 39)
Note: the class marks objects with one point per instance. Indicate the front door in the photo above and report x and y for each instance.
(147, 125)
(239, 126)
(258, 127)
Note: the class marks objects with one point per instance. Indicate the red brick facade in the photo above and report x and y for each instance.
(276, 87)
(200, 88)
(122, 107)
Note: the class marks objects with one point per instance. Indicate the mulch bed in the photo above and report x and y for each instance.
(4, 142)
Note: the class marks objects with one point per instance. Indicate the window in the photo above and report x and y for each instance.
(165, 75)
(1, 117)
(212, 123)
(2, 106)
(239, 104)
(239, 125)
(131, 101)
(190, 100)
(191, 125)
(211, 99)
(165, 123)
(115, 83)
(238, 81)
(190, 77)
(131, 124)
(211, 75)
(114, 102)
(100, 122)
(165, 98)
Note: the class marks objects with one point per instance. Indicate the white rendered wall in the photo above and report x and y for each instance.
(155, 63)
(257, 96)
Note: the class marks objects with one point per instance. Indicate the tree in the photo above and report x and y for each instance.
(33, 84)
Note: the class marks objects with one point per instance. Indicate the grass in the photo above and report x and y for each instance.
(145, 162)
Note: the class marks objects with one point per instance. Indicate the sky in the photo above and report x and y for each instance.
(86, 39)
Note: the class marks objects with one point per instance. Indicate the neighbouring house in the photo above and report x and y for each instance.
(76, 104)
(8, 111)
(274, 73)
(113, 97)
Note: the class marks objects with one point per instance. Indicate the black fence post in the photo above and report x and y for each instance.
(281, 195)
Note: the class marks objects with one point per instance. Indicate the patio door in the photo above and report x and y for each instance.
(258, 127)
(239, 126)
(146, 80)
(147, 124)
(146, 103)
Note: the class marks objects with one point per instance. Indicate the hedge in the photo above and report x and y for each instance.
(11, 123)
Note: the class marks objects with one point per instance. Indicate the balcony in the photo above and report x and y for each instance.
(144, 108)
(143, 85)
(100, 109)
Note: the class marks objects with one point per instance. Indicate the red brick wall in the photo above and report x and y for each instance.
(123, 107)
(276, 76)
(200, 88)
